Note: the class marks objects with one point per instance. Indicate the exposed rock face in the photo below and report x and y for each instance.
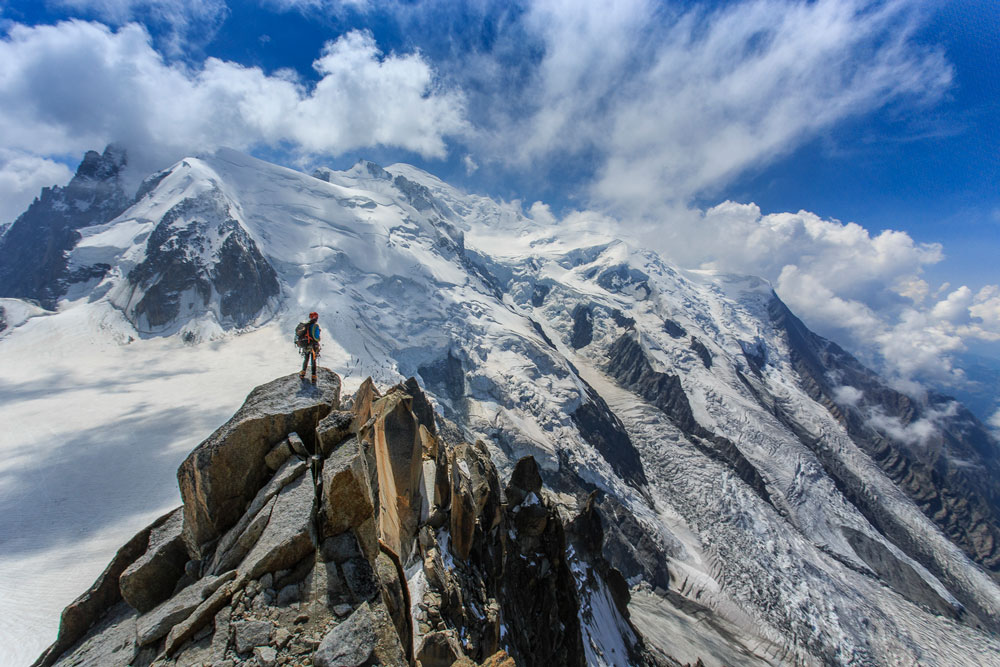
(541, 601)
(198, 257)
(601, 428)
(583, 327)
(151, 579)
(33, 262)
(297, 521)
(224, 473)
(398, 452)
(77, 618)
(950, 474)
(604, 589)
(628, 364)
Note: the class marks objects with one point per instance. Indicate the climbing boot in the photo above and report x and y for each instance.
(302, 375)
(314, 379)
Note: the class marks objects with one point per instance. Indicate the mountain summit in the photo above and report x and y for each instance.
(739, 489)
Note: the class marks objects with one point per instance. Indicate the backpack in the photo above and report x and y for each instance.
(302, 339)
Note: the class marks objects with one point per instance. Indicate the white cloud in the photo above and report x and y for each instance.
(77, 85)
(184, 21)
(955, 306)
(913, 288)
(917, 432)
(328, 6)
(22, 176)
(986, 307)
(470, 164)
(994, 423)
(541, 213)
(849, 285)
(675, 104)
(847, 395)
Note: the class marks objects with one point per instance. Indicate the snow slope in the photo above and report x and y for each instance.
(522, 331)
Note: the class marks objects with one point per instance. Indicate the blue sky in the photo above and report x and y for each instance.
(703, 129)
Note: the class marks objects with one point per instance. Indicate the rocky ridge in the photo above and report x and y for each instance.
(316, 531)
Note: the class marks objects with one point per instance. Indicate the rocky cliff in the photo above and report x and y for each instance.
(34, 250)
(322, 531)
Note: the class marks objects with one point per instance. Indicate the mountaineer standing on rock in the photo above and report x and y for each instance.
(307, 338)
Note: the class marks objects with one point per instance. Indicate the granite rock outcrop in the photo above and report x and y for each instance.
(328, 532)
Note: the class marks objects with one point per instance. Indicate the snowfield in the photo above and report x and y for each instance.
(510, 324)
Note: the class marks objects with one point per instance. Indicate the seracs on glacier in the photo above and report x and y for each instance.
(753, 528)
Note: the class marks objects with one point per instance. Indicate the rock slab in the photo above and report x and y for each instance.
(224, 472)
(350, 644)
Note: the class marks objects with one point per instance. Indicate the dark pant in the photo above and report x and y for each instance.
(310, 354)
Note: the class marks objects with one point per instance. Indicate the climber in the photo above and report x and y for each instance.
(307, 338)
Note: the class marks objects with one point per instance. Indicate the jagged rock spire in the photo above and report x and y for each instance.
(33, 261)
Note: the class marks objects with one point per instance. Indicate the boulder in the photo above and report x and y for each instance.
(347, 496)
(202, 615)
(250, 634)
(109, 643)
(220, 636)
(236, 550)
(151, 579)
(351, 643)
(287, 538)
(155, 624)
(333, 429)
(239, 539)
(388, 648)
(224, 472)
(278, 455)
(366, 395)
(439, 649)
(265, 656)
(360, 579)
(340, 548)
(395, 596)
(299, 447)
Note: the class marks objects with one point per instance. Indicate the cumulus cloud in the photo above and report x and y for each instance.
(955, 306)
(541, 212)
(986, 307)
(846, 283)
(22, 175)
(76, 85)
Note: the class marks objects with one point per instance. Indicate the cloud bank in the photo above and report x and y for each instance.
(78, 85)
(846, 283)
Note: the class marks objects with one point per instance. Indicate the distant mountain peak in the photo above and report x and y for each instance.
(33, 251)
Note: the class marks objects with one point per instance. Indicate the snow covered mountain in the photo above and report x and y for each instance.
(769, 499)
